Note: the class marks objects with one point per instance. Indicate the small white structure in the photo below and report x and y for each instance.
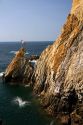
(22, 43)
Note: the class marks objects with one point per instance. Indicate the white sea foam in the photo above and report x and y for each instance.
(52, 123)
(26, 53)
(20, 102)
(1, 74)
(33, 61)
(14, 52)
(26, 86)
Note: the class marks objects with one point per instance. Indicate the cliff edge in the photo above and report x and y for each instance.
(20, 70)
(59, 71)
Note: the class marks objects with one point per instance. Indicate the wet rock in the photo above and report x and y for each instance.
(33, 57)
(75, 118)
(65, 120)
(77, 115)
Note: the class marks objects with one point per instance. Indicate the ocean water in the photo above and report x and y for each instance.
(17, 103)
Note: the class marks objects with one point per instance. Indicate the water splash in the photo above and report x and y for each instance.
(52, 122)
(14, 52)
(1, 74)
(20, 102)
(27, 86)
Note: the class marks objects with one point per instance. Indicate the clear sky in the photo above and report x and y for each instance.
(32, 20)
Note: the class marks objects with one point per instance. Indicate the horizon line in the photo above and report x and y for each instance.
(29, 41)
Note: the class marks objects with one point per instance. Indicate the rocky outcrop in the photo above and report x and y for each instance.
(19, 70)
(59, 71)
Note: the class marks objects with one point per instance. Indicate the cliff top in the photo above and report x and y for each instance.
(20, 53)
(77, 9)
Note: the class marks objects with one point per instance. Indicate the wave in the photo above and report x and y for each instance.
(14, 52)
(20, 102)
(27, 86)
(1, 74)
(33, 61)
(27, 53)
(52, 123)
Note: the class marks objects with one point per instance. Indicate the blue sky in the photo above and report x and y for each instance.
(32, 20)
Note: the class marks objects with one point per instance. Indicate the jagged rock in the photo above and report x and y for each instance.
(59, 70)
(33, 57)
(19, 70)
(65, 120)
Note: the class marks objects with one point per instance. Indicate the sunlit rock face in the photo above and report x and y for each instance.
(19, 70)
(77, 9)
(59, 70)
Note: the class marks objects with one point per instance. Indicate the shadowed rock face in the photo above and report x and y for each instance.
(59, 70)
(19, 70)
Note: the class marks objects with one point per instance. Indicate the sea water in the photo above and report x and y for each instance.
(18, 106)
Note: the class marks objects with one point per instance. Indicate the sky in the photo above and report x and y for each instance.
(32, 20)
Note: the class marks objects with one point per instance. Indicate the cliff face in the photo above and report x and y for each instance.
(19, 70)
(59, 70)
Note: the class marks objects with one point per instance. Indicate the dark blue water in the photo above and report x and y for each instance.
(10, 111)
(6, 49)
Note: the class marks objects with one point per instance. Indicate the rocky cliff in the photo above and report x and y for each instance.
(19, 70)
(59, 71)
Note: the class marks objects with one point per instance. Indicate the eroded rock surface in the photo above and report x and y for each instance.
(19, 70)
(59, 70)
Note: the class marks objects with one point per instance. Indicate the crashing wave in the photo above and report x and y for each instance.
(1, 74)
(14, 52)
(52, 123)
(20, 102)
(33, 61)
(26, 53)
(27, 86)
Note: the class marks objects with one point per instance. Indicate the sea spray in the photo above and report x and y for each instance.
(14, 52)
(21, 103)
(1, 74)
